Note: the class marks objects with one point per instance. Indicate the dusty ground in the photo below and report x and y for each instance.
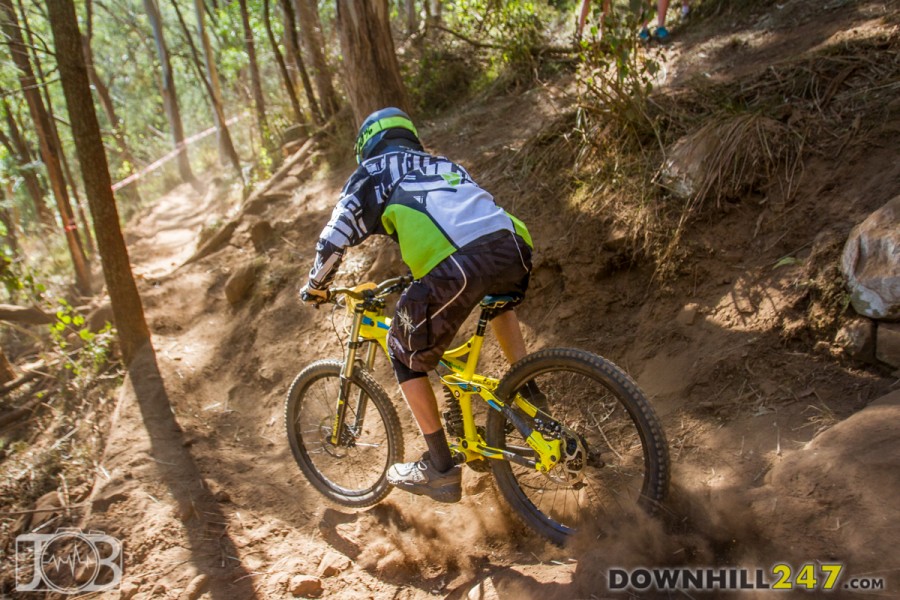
(780, 451)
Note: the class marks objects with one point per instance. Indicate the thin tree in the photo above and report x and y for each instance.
(412, 17)
(282, 67)
(259, 102)
(170, 97)
(293, 48)
(46, 141)
(213, 90)
(314, 44)
(371, 72)
(126, 303)
(17, 146)
(226, 146)
(116, 124)
(9, 224)
(54, 130)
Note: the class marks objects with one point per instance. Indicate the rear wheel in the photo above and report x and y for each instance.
(352, 472)
(615, 453)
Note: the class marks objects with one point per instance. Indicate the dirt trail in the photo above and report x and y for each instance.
(740, 398)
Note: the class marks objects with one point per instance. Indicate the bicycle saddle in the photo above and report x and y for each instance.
(499, 301)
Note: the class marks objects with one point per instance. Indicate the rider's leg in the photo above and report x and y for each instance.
(420, 397)
(421, 400)
(508, 332)
(434, 476)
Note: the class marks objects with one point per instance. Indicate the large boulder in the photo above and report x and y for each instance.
(871, 263)
(835, 498)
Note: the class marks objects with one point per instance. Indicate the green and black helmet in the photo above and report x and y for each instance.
(385, 125)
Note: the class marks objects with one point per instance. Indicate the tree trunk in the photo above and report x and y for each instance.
(282, 67)
(19, 148)
(49, 150)
(371, 72)
(9, 224)
(412, 17)
(314, 43)
(255, 81)
(213, 89)
(116, 124)
(170, 98)
(290, 26)
(126, 303)
(6, 370)
(226, 146)
(57, 140)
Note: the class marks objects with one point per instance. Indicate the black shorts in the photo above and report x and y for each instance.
(432, 309)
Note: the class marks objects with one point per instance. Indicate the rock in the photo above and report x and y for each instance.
(871, 263)
(128, 590)
(887, 343)
(306, 586)
(222, 496)
(688, 314)
(835, 494)
(215, 243)
(240, 283)
(195, 588)
(483, 590)
(45, 508)
(185, 511)
(100, 316)
(683, 173)
(857, 339)
(617, 240)
(333, 564)
(262, 235)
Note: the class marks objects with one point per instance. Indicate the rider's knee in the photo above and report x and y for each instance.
(403, 372)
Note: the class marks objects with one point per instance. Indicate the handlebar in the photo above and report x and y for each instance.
(382, 289)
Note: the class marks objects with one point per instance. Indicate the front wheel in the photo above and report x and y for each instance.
(615, 453)
(352, 472)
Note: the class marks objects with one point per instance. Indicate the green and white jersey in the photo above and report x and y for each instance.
(429, 204)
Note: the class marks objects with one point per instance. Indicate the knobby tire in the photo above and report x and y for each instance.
(351, 476)
(629, 468)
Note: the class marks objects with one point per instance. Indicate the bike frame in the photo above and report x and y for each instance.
(371, 327)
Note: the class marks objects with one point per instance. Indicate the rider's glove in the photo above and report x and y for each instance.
(313, 296)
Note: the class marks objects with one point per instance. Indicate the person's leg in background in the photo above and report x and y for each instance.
(583, 15)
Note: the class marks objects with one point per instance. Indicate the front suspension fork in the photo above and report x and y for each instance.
(347, 371)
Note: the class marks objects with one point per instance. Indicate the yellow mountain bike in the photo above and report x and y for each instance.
(569, 436)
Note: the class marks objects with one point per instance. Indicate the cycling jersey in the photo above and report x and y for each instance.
(429, 204)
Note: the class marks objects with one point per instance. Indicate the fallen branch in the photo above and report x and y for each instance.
(19, 382)
(21, 412)
(536, 50)
(283, 171)
(29, 315)
(16, 513)
(467, 40)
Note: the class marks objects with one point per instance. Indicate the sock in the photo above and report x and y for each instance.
(439, 450)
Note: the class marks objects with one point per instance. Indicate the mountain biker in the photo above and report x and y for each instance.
(459, 245)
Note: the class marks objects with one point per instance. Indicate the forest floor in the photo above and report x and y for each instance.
(782, 449)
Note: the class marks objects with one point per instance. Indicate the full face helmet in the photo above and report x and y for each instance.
(384, 125)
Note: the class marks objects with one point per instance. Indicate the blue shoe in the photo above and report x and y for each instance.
(661, 35)
(644, 35)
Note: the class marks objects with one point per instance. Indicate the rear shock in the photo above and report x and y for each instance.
(453, 419)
